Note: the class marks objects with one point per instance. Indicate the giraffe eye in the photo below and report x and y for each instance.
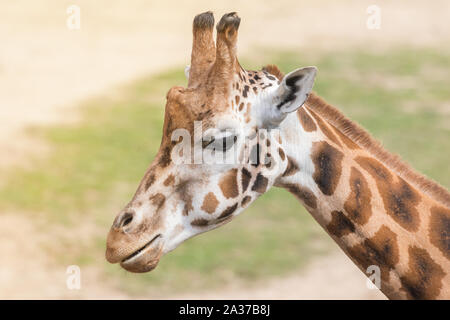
(221, 143)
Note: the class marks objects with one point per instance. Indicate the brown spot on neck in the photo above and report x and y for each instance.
(380, 250)
(340, 225)
(303, 194)
(424, 277)
(358, 205)
(439, 229)
(328, 166)
(399, 198)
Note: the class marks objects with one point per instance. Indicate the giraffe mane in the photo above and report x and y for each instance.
(273, 69)
(364, 140)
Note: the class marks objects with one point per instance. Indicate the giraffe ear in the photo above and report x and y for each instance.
(294, 89)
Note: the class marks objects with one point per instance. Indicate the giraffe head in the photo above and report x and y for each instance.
(220, 148)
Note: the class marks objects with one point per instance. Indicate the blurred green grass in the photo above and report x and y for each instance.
(401, 96)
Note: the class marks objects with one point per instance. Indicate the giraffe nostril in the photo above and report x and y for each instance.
(123, 220)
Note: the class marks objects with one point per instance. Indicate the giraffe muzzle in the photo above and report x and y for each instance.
(145, 258)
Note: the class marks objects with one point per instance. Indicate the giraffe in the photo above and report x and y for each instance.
(377, 209)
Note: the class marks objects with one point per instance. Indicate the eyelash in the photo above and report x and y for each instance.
(224, 143)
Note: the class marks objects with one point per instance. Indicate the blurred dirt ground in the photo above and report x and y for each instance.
(45, 69)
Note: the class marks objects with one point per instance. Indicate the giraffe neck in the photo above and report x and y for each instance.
(376, 217)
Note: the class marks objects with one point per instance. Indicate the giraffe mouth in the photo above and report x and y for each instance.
(145, 258)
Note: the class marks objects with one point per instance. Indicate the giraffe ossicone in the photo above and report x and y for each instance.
(278, 133)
